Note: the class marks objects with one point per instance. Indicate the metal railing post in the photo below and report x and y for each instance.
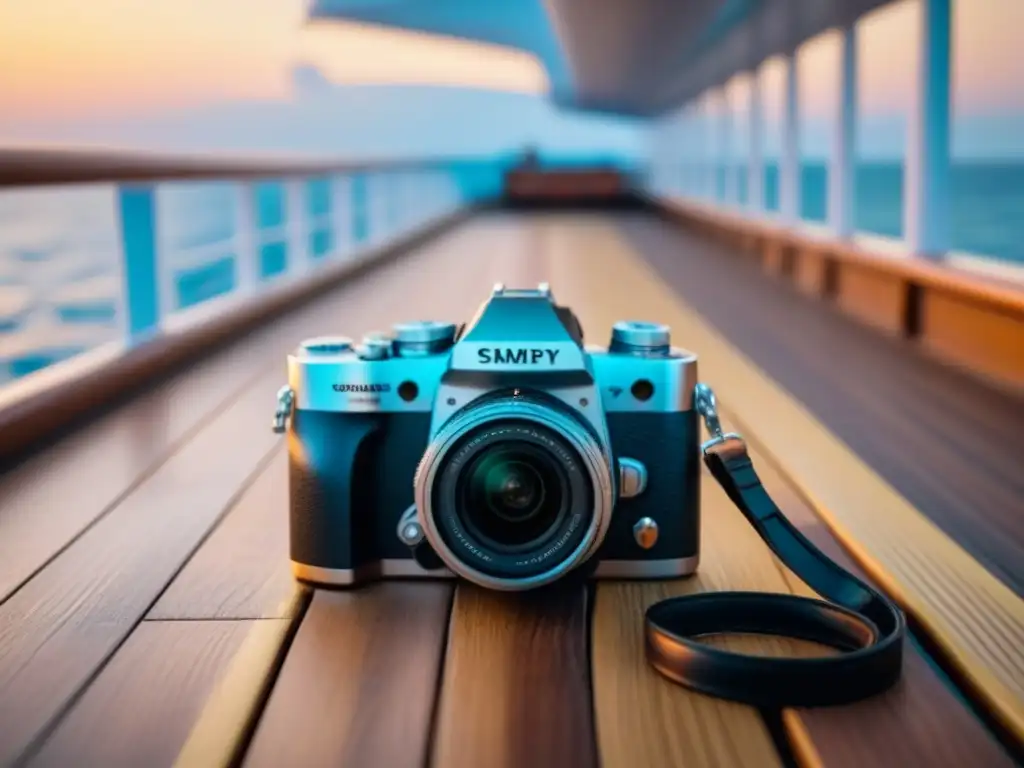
(341, 214)
(842, 163)
(755, 163)
(296, 218)
(137, 221)
(789, 167)
(246, 259)
(926, 201)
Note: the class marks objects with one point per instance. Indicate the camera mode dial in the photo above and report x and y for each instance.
(425, 337)
(640, 338)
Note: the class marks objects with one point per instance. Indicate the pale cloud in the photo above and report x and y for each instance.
(71, 65)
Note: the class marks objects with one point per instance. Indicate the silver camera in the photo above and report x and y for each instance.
(502, 451)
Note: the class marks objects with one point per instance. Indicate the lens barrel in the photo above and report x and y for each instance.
(514, 492)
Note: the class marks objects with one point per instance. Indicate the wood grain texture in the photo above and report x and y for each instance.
(242, 570)
(358, 685)
(99, 465)
(141, 708)
(972, 616)
(969, 335)
(59, 628)
(516, 687)
(645, 720)
(810, 270)
(873, 297)
(222, 730)
(919, 721)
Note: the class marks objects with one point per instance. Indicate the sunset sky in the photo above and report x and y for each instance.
(67, 60)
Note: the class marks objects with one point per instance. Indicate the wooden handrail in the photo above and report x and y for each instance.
(36, 167)
(997, 294)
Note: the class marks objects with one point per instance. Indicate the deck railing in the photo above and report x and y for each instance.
(107, 259)
(964, 308)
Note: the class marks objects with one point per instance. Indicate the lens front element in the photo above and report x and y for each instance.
(513, 489)
(513, 495)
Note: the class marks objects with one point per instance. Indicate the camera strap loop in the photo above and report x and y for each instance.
(857, 619)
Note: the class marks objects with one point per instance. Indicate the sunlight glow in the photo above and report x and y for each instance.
(131, 57)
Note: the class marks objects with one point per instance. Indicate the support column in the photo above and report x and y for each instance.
(246, 255)
(710, 152)
(789, 166)
(842, 164)
(755, 164)
(692, 153)
(296, 219)
(341, 214)
(730, 193)
(926, 202)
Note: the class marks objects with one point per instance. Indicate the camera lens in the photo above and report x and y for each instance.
(512, 496)
(514, 491)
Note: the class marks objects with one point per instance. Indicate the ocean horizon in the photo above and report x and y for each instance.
(59, 248)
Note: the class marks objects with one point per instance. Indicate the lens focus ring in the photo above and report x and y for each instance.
(554, 431)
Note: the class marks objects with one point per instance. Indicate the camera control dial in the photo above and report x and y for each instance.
(640, 338)
(425, 337)
(375, 346)
(327, 345)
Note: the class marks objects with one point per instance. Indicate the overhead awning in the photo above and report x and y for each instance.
(630, 57)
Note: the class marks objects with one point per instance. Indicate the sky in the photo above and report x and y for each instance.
(142, 72)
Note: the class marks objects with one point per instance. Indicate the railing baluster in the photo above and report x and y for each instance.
(341, 215)
(296, 224)
(246, 260)
(790, 168)
(755, 167)
(730, 192)
(141, 310)
(842, 169)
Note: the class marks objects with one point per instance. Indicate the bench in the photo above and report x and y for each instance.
(148, 615)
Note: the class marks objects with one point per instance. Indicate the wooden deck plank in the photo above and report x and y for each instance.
(358, 684)
(62, 626)
(515, 690)
(976, 620)
(946, 442)
(100, 464)
(141, 708)
(242, 570)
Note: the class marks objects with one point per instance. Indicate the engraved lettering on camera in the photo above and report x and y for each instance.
(516, 356)
(361, 388)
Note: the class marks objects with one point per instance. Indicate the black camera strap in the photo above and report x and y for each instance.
(867, 626)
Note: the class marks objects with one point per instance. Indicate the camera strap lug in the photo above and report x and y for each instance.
(285, 401)
(707, 407)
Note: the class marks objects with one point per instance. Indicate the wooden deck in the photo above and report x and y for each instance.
(148, 616)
